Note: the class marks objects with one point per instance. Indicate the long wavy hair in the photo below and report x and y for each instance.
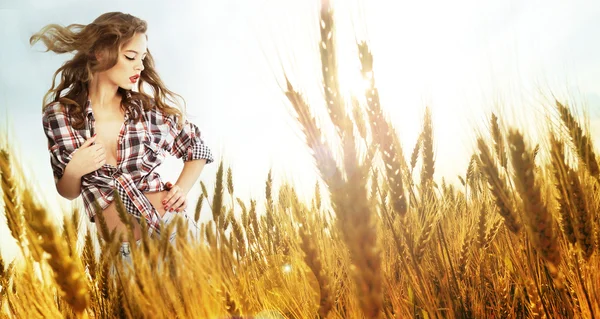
(106, 34)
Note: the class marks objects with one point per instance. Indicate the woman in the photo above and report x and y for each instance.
(105, 135)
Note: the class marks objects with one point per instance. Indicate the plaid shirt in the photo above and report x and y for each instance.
(141, 147)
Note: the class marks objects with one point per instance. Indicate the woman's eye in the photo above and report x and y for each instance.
(128, 58)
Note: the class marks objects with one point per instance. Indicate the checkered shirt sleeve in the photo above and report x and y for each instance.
(189, 145)
(62, 142)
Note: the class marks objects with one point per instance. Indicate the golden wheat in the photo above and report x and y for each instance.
(498, 188)
(378, 245)
(539, 220)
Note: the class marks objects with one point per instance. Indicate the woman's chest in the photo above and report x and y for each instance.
(108, 134)
(129, 144)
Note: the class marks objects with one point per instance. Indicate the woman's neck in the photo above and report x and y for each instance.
(103, 95)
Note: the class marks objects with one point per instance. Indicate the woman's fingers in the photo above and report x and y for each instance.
(180, 204)
(100, 159)
(101, 153)
(177, 202)
(172, 197)
(100, 163)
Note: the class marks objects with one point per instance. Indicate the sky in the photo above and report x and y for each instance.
(227, 59)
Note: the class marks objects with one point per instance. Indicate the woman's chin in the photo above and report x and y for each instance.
(128, 86)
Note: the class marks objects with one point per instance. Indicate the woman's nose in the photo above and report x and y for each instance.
(140, 66)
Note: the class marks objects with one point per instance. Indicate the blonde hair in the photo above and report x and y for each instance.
(106, 34)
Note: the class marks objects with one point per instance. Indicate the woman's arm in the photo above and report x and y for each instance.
(177, 197)
(190, 173)
(69, 160)
(60, 139)
(189, 146)
(85, 159)
(69, 185)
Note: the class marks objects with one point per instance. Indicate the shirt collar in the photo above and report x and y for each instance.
(88, 108)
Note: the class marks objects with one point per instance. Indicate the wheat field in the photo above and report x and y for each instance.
(518, 238)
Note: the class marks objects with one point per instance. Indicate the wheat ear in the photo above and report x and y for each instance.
(563, 197)
(67, 269)
(582, 143)
(384, 134)
(539, 219)
(498, 188)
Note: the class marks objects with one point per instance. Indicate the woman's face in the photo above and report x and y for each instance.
(126, 72)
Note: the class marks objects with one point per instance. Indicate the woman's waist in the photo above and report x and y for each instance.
(105, 174)
(107, 183)
(155, 198)
(104, 195)
(110, 214)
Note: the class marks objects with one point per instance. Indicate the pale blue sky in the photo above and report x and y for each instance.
(223, 57)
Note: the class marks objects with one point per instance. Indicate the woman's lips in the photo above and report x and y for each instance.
(134, 78)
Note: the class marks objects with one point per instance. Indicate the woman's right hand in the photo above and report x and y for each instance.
(87, 158)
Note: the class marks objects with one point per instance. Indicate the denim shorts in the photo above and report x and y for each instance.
(125, 249)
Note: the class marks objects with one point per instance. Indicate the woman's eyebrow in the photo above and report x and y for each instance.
(134, 51)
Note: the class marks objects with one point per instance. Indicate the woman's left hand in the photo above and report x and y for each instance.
(176, 198)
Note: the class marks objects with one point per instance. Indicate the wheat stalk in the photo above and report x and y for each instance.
(198, 208)
(583, 227)
(498, 188)
(239, 235)
(463, 256)
(498, 138)
(10, 198)
(424, 237)
(384, 134)
(539, 219)
(535, 302)
(329, 70)
(324, 159)
(67, 268)
(415, 154)
(270, 222)
(561, 176)
(218, 195)
(313, 260)
(427, 150)
(582, 143)
(481, 226)
(489, 237)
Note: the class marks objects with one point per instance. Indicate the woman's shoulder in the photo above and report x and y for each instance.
(55, 112)
(54, 108)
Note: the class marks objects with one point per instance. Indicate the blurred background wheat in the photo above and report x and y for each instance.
(517, 237)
